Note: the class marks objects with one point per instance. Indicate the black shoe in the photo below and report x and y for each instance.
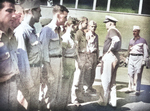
(137, 93)
(91, 91)
(129, 91)
(76, 103)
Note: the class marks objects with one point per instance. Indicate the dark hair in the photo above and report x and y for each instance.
(60, 8)
(2, 1)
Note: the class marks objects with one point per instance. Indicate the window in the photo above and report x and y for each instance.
(56, 2)
(69, 3)
(101, 5)
(129, 6)
(146, 7)
(85, 4)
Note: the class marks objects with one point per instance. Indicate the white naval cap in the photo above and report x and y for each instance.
(109, 19)
(136, 27)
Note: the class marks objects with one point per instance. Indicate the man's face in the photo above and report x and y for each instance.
(62, 18)
(92, 28)
(16, 19)
(37, 14)
(107, 24)
(136, 33)
(85, 24)
(6, 14)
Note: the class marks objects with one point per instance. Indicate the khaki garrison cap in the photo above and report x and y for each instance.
(110, 19)
(45, 21)
(30, 4)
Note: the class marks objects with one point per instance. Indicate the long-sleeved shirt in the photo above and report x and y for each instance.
(50, 39)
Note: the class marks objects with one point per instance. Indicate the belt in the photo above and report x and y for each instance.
(136, 54)
(35, 65)
(55, 56)
(82, 52)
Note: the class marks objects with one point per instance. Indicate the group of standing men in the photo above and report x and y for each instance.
(65, 50)
(27, 61)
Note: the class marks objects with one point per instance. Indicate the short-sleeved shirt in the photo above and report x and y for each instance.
(80, 37)
(8, 49)
(137, 45)
(50, 40)
(92, 40)
(32, 43)
(112, 41)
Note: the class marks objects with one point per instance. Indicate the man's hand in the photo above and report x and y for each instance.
(127, 60)
(143, 63)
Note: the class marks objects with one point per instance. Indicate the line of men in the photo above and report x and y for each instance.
(55, 58)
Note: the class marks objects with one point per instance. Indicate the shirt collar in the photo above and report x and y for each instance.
(9, 34)
(27, 26)
(53, 26)
(137, 39)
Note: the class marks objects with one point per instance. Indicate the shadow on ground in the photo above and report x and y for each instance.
(125, 101)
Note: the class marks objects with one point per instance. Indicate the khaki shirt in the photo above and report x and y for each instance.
(92, 45)
(8, 56)
(32, 43)
(51, 41)
(80, 38)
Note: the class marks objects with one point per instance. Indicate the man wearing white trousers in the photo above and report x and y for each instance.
(138, 53)
(110, 62)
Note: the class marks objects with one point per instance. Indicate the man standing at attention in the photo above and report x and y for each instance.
(110, 61)
(80, 41)
(28, 44)
(92, 53)
(52, 55)
(8, 58)
(138, 52)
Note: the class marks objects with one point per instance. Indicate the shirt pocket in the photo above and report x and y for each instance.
(6, 64)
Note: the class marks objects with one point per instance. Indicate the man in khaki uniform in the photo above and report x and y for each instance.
(92, 53)
(8, 58)
(80, 40)
(52, 56)
(30, 46)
